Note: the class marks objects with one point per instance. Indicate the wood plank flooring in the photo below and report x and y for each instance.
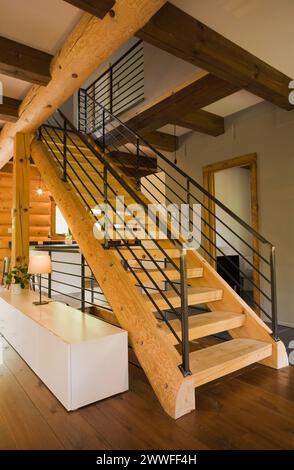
(252, 409)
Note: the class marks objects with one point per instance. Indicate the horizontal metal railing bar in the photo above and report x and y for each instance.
(128, 64)
(68, 295)
(197, 185)
(116, 62)
(132, 92)
(155, 305)
(229, 228)
(121, 82)
(112, 171)
(70, 274)
(230, 261)
(132, 252)
(227, 256)
(138, 99)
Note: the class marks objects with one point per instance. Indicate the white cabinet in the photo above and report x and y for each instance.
(80, 358)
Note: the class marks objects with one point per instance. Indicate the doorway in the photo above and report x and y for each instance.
(234, 183)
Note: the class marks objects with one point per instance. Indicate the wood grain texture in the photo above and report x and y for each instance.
(39, 209)
(9, 109)
(24, 62)
(91, 43)
(21, 201)
(156, 354)
(252, 409)
(96, 8)
(183, 101)
(180, 34)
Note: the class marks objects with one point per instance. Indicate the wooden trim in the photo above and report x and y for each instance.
(9, 109)
(178, 33)
(99, 9)
(209, 171)
(201, 121)
(88, 46)
(24, 62)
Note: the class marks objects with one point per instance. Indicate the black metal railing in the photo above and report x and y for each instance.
(218, 232)
(71, 280)
(95, 180)
(97, 185)
(118, 88)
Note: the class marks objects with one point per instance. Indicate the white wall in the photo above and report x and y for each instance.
(232, 188)
(269, 132)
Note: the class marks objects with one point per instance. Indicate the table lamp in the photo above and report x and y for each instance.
(40, 264)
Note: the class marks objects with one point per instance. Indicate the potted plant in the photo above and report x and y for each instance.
(18, 278)
(68, 238)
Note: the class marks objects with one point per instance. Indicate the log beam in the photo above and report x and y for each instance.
(88, 46)
(162, 140)
(180, 34)
(97, 8)
(201, 121)
(24, 62)
(9, 109)
(21, 201)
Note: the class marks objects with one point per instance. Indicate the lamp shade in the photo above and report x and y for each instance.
(40, 264)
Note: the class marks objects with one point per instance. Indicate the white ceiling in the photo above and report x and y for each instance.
(42, 24)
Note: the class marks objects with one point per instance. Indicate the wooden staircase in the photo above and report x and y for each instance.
(153, 342)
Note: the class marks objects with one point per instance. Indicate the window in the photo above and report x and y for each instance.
(61, 227)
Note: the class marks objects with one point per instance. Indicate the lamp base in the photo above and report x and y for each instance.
(44, 302)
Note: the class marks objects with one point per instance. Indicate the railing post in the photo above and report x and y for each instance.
(64, 151)
(103, 130)
(138, 162)
(92, 287)
(106, 235)
(111, 90)
(274, 293)
(185, 366)
(50, 279)
(83, 285)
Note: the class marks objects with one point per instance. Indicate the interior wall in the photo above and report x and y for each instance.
(232, 188)
(40, 210)
(268, 131)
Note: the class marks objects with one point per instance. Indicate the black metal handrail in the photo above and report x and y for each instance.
(59, 136)
(112, 134)
(118, 88)
(74, 276)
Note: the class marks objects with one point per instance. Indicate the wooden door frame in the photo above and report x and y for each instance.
(209, 171)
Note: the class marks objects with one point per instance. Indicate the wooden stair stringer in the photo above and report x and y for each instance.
(153, 349)
(254, 327)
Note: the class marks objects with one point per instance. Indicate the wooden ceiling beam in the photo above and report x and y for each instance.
(9, 109)
(97, 8)
(24, 62)
(185, 102)
(162, 140)
(87, 47)
(201, 121)
(180, 34)
(181, 105)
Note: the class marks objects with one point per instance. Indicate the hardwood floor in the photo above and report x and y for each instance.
(253, 409)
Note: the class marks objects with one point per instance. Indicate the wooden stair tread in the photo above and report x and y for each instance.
(154, 254)
(199, 295)
(221, 359)
(206, 324)
(171, 273)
